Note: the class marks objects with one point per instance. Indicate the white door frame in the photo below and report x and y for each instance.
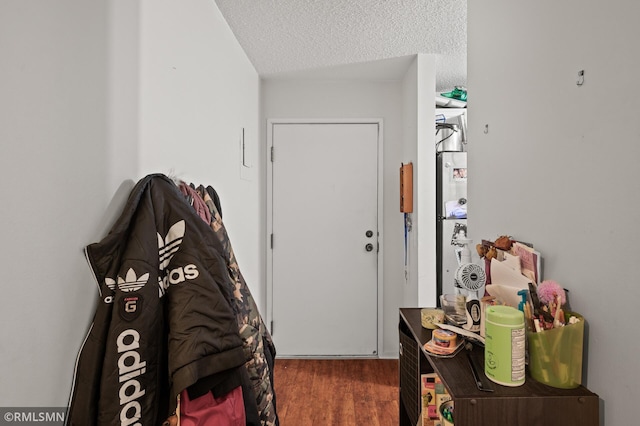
(269, 227)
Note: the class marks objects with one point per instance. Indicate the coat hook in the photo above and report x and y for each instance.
(486, 129)
(580, 81)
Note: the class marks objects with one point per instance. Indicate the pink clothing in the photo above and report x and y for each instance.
(196, 202)
(207, 410)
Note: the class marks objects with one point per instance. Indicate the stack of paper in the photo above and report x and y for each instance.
(512, 272)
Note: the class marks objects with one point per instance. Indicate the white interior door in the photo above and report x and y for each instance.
(324, 215)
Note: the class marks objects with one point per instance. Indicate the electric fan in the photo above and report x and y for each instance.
(471, 278)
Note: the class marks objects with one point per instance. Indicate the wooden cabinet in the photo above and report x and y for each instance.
(530, 404)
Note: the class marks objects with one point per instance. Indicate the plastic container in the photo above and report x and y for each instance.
(446, 413)
(429, 317)
(555, 356)
(444, 338)
(505, 341)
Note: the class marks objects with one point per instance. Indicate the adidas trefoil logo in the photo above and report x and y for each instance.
(167, 247)
(130, 283)
(170, 244)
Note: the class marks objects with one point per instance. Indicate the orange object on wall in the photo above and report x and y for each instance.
(406, 188)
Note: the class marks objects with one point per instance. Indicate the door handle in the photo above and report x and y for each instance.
(368, 247)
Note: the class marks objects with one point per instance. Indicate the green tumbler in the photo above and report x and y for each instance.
(504, 349)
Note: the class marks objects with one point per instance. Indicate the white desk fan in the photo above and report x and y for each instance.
(471, 278)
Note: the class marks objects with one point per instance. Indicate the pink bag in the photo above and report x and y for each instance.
(206, 410)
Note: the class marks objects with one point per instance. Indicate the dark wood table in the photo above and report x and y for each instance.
(530, 404)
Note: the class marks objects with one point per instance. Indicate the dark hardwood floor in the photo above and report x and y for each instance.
(336, 392)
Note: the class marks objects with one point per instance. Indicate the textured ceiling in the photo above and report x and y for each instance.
(281, 36)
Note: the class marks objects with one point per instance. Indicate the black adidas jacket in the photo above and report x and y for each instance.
(163, 321)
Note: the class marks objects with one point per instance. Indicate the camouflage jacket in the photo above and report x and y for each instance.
(255, 336)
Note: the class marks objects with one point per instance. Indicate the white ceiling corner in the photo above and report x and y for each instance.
(285, 37)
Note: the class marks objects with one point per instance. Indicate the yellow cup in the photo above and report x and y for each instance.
(431, 316)
(555, 356)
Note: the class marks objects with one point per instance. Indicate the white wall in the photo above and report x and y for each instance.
(362, 94)
(558, 166)
(96, 95)
(123, 78)
(410, 155)
(197, 91)
(426, 181)
(53, 130)
(418, 137)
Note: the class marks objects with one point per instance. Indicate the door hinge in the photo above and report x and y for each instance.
(271, 241)
(272, 151)
(272, 327)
